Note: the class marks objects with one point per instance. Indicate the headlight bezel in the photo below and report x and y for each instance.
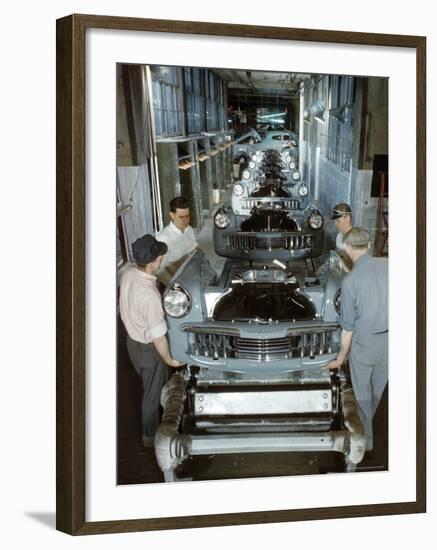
(295, 175)
(238, 190)
(245, 175)
(303, 190)
(312, 216)
(176, 289)
(222, 212)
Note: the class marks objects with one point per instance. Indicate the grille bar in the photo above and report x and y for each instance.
(281, 242)
(246, 242)
(219, 346)
(289, 204)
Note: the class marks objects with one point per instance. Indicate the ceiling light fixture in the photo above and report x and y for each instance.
(318, 110)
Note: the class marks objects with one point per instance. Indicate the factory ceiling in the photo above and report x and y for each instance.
(263, 82)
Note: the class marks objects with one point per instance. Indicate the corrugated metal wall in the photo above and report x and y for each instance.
(133, 186)
(333, 151)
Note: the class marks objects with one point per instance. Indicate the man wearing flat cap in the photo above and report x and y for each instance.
(364, 322)
(143, 316)
(342, 216)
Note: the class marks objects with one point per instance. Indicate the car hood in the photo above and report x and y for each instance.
(268, 220)
(270, 190)
(264, 302)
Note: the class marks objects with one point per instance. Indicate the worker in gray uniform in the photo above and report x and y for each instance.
(342, 216)
(364, 322)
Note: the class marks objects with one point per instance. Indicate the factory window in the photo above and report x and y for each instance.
(221, 106)
(193, 100)
(215, 102)
(339, 146)
(167, 101)
(209, 101)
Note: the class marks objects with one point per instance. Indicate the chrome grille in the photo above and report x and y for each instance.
(245, 242)
(268, 242)
(289, 204)
(308, 344)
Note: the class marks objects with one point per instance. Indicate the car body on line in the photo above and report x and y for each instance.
(256, 342)
(252, 141)
(270, 215)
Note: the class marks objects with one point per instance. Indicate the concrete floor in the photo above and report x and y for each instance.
(135, 464)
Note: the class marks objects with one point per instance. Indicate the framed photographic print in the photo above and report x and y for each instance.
(261, 157)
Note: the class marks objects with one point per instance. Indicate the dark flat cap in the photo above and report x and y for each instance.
(146, 249)
(340, 210)
(357, 237)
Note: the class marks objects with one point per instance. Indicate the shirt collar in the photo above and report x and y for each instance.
(363, 259)
(145, 275)
(176, 229)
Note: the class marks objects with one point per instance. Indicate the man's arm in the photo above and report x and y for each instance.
(345, 344)
(162, 348)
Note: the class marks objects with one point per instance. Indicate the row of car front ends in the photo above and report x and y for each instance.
(256, 337)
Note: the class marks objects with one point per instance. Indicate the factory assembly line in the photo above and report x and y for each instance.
(257, 337)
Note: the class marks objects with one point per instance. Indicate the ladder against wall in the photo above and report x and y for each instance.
(381, 237)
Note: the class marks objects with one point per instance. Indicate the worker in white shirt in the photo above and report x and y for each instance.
(179, 237)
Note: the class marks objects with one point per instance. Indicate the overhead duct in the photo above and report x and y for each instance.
(249, 78)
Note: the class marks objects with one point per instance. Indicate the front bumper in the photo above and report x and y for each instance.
(173, 447)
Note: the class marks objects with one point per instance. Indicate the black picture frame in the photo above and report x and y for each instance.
(71, 254)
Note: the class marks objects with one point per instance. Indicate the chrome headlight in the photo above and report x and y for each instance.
(254, 157)
(221, 219)
(177, 301)
(315, 221)
(238, 190)
(295, 175)
(252, 164)
(246, 175)
(337, 265)
(292, 164)
(302, 190)
(259, 153)
(337, 301)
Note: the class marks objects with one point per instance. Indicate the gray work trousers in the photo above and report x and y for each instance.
(153, 371)
(368, 362)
